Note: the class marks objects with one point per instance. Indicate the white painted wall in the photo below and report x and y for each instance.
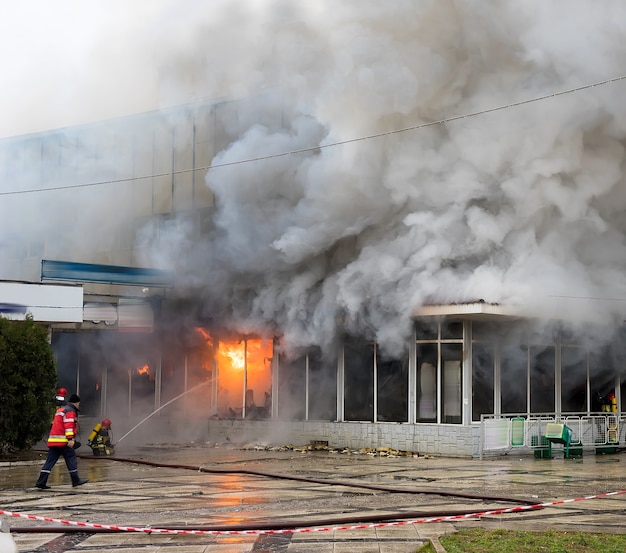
(50, 303)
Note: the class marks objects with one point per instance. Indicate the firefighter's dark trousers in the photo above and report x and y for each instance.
(53, 456)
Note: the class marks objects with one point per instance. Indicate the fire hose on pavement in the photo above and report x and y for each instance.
(526, 504)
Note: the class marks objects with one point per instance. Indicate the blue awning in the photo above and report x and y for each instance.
(108, 274)
(12, 308)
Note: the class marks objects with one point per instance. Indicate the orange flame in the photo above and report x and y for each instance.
(232, 355)
(143, 370)
(251, 356)
(236, 355)
(207, 337)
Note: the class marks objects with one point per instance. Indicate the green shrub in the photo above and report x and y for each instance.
(27, 383)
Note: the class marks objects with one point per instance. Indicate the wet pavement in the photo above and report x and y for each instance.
(253, 488)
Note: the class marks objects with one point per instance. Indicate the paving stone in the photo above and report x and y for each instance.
(130, 494)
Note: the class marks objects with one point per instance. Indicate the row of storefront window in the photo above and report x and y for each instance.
(456, 372)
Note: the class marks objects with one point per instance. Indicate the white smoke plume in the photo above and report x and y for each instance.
(520, 206)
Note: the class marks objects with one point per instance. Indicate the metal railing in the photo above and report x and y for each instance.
(527, 432)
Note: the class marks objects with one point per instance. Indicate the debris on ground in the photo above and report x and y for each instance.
(323, 446)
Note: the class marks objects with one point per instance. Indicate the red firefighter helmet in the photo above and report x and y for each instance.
(106, 423)
(61, 394)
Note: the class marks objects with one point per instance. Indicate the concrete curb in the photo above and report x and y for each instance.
(437, 545)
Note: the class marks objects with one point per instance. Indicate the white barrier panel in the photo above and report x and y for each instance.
(496, 433)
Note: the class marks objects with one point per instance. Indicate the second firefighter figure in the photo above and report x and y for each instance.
(100, 439)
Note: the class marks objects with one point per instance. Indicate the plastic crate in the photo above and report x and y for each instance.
(560, 433)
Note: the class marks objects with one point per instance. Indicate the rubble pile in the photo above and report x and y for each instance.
(323, 446)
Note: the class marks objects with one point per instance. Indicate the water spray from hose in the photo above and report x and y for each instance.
(162, 407)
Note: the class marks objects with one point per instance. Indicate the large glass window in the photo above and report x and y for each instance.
(427, 382)
(131, 362)
(452, 330)
(292, 384)
(439, 378)
(482, 380)
(307, 374)
(91, 366)
(66, 346)
(322, 387)
(452, 383)
(173, 381)
(513, 378)
(573, 379)
(244, 377)
(199, 370)
(359, 381)
(601, 378)
(542, 363)
(426, 330)
(392, 377)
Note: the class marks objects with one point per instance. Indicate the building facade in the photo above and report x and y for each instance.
(103, 195)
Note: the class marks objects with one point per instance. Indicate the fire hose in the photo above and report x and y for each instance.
(526, 504)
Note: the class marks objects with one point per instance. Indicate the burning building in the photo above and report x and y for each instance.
(400, 225)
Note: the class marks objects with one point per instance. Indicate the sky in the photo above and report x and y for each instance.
(69, 62)
(520, 206)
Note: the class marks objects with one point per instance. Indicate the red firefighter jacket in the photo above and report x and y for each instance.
(64, 426)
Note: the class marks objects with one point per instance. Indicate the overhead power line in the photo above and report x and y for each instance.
(325, 146)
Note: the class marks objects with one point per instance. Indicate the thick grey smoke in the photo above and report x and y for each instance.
(522, 206)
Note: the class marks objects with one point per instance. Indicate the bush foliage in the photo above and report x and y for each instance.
(27, 383)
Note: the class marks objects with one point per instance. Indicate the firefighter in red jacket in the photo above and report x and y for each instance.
(62, 441)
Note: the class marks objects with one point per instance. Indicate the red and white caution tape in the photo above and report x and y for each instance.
(148, 530)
